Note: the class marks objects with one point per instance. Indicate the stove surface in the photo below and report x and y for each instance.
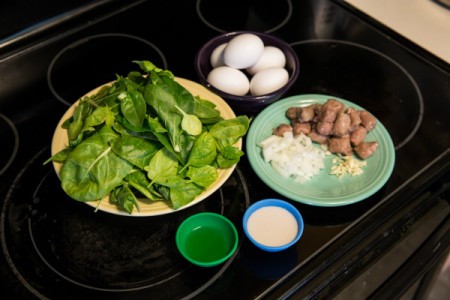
(53, 246)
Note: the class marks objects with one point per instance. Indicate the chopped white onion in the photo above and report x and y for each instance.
(291, 156)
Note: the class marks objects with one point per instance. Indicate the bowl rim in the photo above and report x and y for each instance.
(217, 217)
(247, 100)
(278, 203)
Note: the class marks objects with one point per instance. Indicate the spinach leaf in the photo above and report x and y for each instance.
(130, 127)
(139, 181)
(136, 150)
(92, 170)
(100, 115)
(186, 142)
(190, 123)
(59, 157)
(161, 134)
(203, 152)
(79, 139)
(133, 82)
(133, 107)
(155, 125)
(228, 132)
(204, 109)
(76, 125)
(150, 67)
(123, 197)
(228, 157)
(161, 98)
(106, 95)
(162, 166)
(203, 176)
(182, 191)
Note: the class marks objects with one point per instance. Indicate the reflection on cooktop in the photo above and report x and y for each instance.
(9, 142)
(24, 14)
(266, 15)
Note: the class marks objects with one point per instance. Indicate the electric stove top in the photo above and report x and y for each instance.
(55, 247)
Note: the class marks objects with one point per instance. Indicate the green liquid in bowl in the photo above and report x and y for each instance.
(207, 244)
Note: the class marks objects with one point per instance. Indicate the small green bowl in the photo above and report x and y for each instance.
(207, 239)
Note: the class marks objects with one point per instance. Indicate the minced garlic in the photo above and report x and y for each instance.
(343, 165)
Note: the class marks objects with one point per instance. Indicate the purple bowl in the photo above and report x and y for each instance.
(247, 103)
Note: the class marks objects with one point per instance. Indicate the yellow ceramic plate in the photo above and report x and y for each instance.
(147, 207)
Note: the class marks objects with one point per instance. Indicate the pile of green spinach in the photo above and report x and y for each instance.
(146, 136)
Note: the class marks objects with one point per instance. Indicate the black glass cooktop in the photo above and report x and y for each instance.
(54, 247)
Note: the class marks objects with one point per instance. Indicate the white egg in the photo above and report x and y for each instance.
(243, 51)
(229, 80)
(216, 58)
(268, 80)
(271, 57)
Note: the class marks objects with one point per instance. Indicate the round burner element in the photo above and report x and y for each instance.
(9, 143)
(56, 245)
(95, 60)
(363, 76)
(231, 15)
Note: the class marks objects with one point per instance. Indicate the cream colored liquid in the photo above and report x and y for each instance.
(272, 226)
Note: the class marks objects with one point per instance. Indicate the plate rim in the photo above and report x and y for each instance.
(298, 197)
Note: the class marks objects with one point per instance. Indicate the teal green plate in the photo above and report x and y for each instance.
(323, 189)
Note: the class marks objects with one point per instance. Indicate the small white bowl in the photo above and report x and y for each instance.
(273, 225)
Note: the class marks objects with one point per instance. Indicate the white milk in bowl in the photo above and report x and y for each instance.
(272, 226)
